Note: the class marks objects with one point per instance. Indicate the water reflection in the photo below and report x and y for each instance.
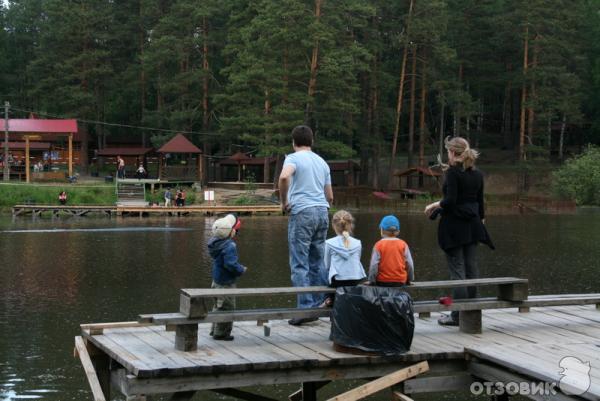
(94, 230)
(56, 274)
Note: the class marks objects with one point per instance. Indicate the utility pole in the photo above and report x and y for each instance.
(6, 166)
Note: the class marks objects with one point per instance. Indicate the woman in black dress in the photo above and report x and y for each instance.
(461, 225)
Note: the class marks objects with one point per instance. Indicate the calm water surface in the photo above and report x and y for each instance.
(58, 273)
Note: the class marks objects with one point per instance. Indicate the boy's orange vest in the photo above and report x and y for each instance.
(392, 264)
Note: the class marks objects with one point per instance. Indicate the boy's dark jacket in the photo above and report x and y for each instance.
(226, 267)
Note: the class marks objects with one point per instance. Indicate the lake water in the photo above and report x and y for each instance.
(58, 273)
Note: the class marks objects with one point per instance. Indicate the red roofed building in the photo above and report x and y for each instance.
(180, 160)
(54, 142)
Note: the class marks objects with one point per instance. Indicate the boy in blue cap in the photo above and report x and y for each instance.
(391, 262)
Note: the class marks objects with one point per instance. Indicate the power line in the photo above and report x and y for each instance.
(118, 125)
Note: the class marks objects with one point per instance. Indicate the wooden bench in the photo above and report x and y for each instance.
(195, 305)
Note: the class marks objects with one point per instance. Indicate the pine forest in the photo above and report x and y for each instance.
(379, 81)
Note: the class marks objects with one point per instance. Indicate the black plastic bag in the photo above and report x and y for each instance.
(373, 319)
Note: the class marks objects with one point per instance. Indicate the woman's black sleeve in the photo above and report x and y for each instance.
(451, 194)
(481, 201)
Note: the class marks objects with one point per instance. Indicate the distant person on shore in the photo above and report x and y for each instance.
(226, 268)
(183, 194)
(62, 198)
(305, 192)
(391, 261)
(461, 225)
(168, 197)
(178, 198)
(120, 167)
(141, 172)
(342, 255)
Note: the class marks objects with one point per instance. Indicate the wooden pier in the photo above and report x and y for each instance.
(514, 341)
(132, 210)
(513, 347)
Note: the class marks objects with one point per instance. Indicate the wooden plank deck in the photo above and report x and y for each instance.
(551, 334)
(531, 344)
(55, 210)
(201, 209)
(122, 210)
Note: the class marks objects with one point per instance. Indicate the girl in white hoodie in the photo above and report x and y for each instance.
(342, 255)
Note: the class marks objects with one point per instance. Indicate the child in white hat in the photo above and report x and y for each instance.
(225, 269)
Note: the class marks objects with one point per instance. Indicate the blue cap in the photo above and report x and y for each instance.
(390, 223)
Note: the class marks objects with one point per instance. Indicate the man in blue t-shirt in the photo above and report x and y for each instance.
(305, 192)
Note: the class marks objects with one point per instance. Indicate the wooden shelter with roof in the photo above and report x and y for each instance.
(427, 178)
(180, 160)
(132, 155)
(51, 141)
(344, 173)
(241, 166)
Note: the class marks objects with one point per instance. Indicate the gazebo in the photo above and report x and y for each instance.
(433, 176)
(176, 161)
(344, 172)
(247, 166)
(132, 155)
(23, 131)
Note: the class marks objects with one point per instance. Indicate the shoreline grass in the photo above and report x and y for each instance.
(47, 194)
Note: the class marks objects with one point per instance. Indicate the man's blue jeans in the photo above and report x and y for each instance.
(307, 231)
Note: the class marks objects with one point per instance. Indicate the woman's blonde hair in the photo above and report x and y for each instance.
(343, 223)
(462, 151)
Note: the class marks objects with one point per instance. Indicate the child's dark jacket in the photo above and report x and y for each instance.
(225, 268)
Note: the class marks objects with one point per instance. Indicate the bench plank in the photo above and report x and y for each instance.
(423, 285)
(419, 307)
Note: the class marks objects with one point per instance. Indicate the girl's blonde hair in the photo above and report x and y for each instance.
(462, 151)
(343, 223)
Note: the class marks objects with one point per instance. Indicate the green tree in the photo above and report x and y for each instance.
(72, 60)
(579, 178)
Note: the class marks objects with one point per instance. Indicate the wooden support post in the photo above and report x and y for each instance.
(200, 164)
(470, 321)
(70, 154)
(160, 167)
(297, 395)
(186, 337)
(513, 292)
(524, 309)
(27, 172)
(424, 315)
(309, 391)
(597, 306)
(194, 308)
(102, 364)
